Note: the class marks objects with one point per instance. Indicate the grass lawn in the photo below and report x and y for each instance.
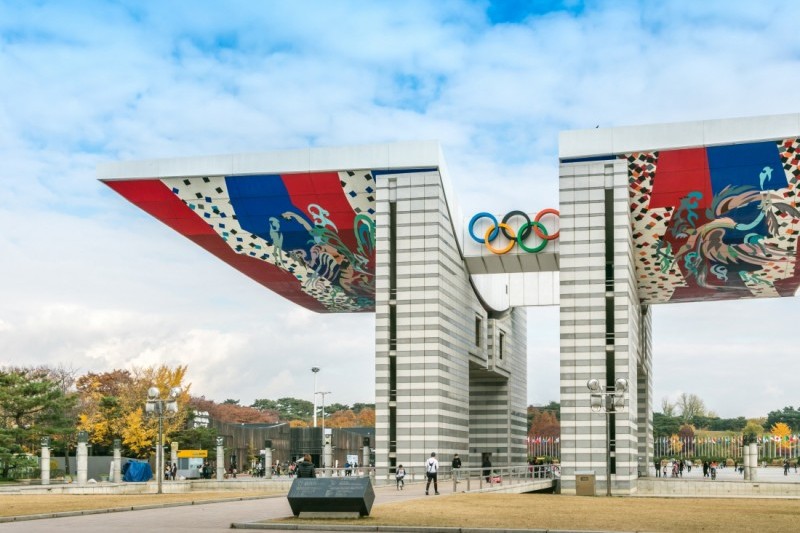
(29, 504)
(544, 511)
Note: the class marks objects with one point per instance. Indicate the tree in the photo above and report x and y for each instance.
(690, 406)
(667, 407)
(752, 430)
(365, 417)
(31, 405)
(781, 431)
(545, 424)
(341, 419)
(664, 426)
(112, 406)
(788, 415)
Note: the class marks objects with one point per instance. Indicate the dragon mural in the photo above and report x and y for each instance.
(715, 222)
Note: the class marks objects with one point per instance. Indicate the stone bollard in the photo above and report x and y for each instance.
(117, 472)
(746, 461)
(45, 465)
(82, 458)
(220, 458)
(753, 461)
(268, 459)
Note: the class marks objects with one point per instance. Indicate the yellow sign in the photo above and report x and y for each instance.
(193, 453)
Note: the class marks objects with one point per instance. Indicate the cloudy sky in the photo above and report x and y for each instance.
(89, 281)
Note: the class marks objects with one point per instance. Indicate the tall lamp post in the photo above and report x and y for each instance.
(323, 427)
(161, 407)
(610, 399)
(315, 369)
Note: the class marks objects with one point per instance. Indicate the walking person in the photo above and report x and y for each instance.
(432, 470)
(658, 467)
(456, 465)
(487, 468)
(305, 468)
(400, 476)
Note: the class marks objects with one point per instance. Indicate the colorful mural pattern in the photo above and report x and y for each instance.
(310, 237)
(715, 222)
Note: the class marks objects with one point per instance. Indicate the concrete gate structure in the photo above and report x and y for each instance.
(648, 215)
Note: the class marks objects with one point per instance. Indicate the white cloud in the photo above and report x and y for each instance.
(86, 278)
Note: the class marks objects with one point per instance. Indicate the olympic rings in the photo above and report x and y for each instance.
(519, 238)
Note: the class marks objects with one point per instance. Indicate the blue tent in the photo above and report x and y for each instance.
(136, 471)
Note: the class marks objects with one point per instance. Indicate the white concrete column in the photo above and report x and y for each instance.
(268, 459)
(83, 463)
(753, 461)
(746, 461)
(365, 456)
(117, 472)
(45, 464)
(327, 457)
(220, 459)
(173, 453)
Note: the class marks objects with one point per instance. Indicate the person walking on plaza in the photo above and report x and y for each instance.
(432, 469)
(400, 476)
(305, 468)
(487, 468)
(658, 467)
(456, 465)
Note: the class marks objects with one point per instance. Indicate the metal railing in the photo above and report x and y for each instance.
(476, 478)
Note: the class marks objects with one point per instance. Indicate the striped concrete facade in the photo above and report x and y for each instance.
(449, 377)
(605, 331)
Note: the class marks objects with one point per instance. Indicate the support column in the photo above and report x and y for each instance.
(82, 457)
(117, 461)
(602, 325)
(45, 461)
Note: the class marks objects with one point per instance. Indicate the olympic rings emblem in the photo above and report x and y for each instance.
(514, 238)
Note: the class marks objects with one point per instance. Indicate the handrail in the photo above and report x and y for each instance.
(471, 477)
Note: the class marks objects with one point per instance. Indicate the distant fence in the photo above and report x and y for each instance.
(769, 447)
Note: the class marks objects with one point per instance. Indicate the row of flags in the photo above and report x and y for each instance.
(737, 439)
(543, 440)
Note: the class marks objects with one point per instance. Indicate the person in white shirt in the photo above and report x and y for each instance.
(432, 469)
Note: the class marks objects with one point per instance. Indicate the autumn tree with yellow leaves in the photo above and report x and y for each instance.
(112, 405)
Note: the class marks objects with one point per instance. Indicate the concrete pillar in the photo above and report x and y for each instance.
(220, 459)
(365, 453)
(753, 461)
(173, 453)
(82, 457)
(45, 465)
(268, 459)
(117, 471)
(746, 461)
(327, 456)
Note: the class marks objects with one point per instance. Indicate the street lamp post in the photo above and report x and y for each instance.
(161, 407)
(610, 399)
(315, 369)
(324, 461)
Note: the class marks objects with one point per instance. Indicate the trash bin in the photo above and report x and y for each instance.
(584, 484)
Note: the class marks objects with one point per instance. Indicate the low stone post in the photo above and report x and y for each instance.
(82, 457)
(753, 461)
(268, 459)
(173, 455)
(117, 472)
(365, 453)
(220, 458)
(746, 461)
(327, 456)
(45, 464)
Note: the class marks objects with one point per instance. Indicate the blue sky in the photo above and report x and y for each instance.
(89, 281)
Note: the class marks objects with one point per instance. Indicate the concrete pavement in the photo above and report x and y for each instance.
(211, 517)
